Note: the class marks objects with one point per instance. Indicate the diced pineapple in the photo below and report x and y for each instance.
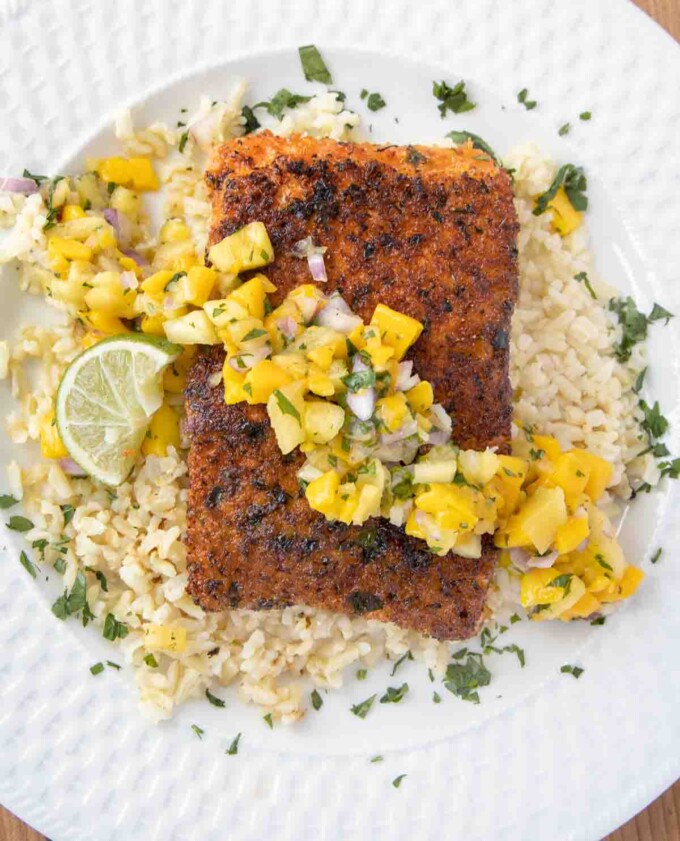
(177, 256)
(468, 546)
(286, 408)
(195, 286)
(293, 362)
(163, 432)
(224, 311)
(540, 517)
(166, 638)
(191, 329)
(322, 356)
(126, 201)
(322, 420)
(153, 325)
(367, 504)
(72, 211)
(245, 249)
(175, 376)
(251, 296)
(108, 296)
(456, 505)
(397, 330)
(538, 587)
(440, 472)
(393, 411)
(51, 445)
(174, 230)
(263, 379)
(548, 444)
(629, 583)
(233, 385)
(478, 467)
(319, 382)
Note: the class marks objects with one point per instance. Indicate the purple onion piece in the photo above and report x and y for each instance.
(24, 186)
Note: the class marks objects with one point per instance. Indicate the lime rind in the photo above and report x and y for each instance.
(106, 399)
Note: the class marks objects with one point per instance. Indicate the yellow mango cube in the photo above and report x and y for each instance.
(565, 219)
(571, 534)
(322, 356)
(251, 296)
(599, 472)
(263, 379)
(319, 382)
(420, 397)
(570, 474)
(163, 432)
(72, 211)
(152, 325)
(321, 493)
(586, 606)
(397, 330)
(322, 421)
(393, 410)
(69, 249)
(156, 283)
(245, 249)
(51, 445)
(175, 376)
(103, 322)
(538, 586)
(540, 517)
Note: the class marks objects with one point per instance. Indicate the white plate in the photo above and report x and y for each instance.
(552, 758)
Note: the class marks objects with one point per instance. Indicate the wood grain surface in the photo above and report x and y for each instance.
(658, 822)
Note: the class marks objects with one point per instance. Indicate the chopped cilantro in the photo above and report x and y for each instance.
(151, 661)
(639, 381)
(214, 700)
(37, 178)
(515, 649)
(20, 524)
(658, 313)
(7, 501)
(564, 129)
(563, 581)
(377, 758)
(436, 698)
(27, 564)
(268, 721)
(255, 333)
(282, 99)
(529, 104)
(453, 99)
(74, 601)
(113, 665)
(232, 750)
(362, 708)
(655, 557)
(361, 674)
(183, 138)
(477, 142)
(317, 700)
(653, 422)
(251, 122)
(313, 66)
(97, 669)
(359, 380)
(394, 695)
(113, 629)
(582, 277)
(600, 620)
(375, 102)
(515, 618)
(396, 782)
(573, 180)
(286, 406)
(576, 671)
(585, 115)
(463, 679)
(198, 730)
(407, 656)
(599, 557)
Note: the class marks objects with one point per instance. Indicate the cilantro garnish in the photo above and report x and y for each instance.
(576, 671)
(396, 782)
(268, 721)
(653, 422)
(377, 758)
(393, 695)
(361, 674)
(585, 115)
(20, 524)
(232, 750)
(375, 102)
(286, 406)
(436, 698)
(251, 121)
(75, 601)
(407, 656)
(113, 629)
(573, 180)
(255, 333)
(564, 129)
(7, 501)
(97, 669)
(151, 661)
(463, 679)
(27, 564)
(198, 730)
(317, 700)
(453, 99)
(68, 511)
(582, 277)
(214, 700)
(359, 380)
(529, 104)
(282, 99)
(477, 142)
(313, 66)
(362, 708)
(183, 138)
(655, 557)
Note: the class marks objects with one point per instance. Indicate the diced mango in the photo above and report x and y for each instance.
(72, 211)
(103, 322)
(69, 249)
(195, 286)
(263, 379)
(570, 474)
(286, 410)
(175, 376)
(247, 248)
(565, 219)
(136, 173)
(626, 587)
(322, 356)
(420, 397)
(156, 283)
(549, 445)
(233, 385)
(571, 534)
(397, 330)
(584, 607)
(540, 517)
(51, 445)
(321, 493)
(393, 411)
(599, 472)
(153, 325)
(163, 432)
(174, 230)
(251, 296)
(540, 586)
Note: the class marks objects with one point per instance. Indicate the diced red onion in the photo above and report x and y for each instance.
(438, 437)
(128, 280)
(317, 267)
(25, 186)
(308, 307)
(440, 418)
(338, 316)
(287, 326)
(111, 217)
(543, 561)
(135, 255)
(250, 359)
(520, 558)
(362, 403)
(304, 247)
(582, 545)
(404, 431)
(120, 224)
(406, 379)
(71, 468)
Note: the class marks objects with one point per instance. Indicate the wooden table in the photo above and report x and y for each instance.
(658, 822)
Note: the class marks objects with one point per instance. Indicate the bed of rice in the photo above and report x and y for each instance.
(565, 380)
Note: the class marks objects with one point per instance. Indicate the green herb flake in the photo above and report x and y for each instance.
(375, 102)
(463, 136)
(251, 123)
(7, 501)
(394, 695)
(396, 782)
(286, 406)
(113, 665)
(198, 730)
(454, 99)
(255, 333)
(522, 97)
(436, 698)
(60, 565)
(600, 620)
(232, 750)
(313, 66)
(653, 422)
(317, 700)
(573, 180)
(599, 557)
(377, 758)
(113, 629)
(183, 138)
(268, 721)
(563, 581)
(27, 564)
(359, 380)
(463, 679)
(362, 708)
(20, 524)
(151, 661)
(37, 178)
(402, 659)
(659, 313)
(582, 277)
(576, 671)
(515, 618)
(585, 115)
(655, 557)
(361, 674)
(515, 649)
(97, 669)
(564, 129)
(214, 700)
(282, 99)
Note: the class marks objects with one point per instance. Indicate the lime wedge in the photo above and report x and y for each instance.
(106, 399)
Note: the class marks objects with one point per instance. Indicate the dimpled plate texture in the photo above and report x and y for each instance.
(555, 758)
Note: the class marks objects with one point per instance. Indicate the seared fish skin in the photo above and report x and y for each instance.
(429, 232)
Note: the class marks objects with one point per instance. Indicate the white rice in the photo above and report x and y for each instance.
(565, 379)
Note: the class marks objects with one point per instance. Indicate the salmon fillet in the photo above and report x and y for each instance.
(430, 232)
